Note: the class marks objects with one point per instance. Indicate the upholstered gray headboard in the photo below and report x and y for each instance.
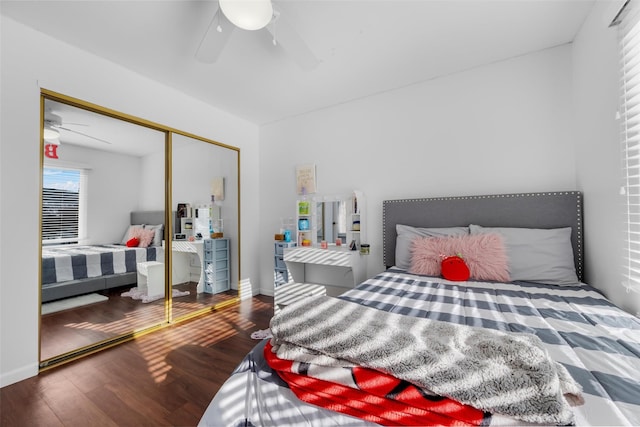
(150, 217)
(531, 210)
(147, 217)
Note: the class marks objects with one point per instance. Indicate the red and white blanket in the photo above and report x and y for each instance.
(371, 395)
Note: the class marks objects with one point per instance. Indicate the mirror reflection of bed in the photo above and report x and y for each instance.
(114, 179)
(88, 297)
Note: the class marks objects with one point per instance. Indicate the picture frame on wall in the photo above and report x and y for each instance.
(306, 179)
(217, 189)
(182, 211)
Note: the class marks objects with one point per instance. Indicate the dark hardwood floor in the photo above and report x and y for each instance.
(166, 378)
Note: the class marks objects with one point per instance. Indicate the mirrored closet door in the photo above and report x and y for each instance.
(108, 216)
(205, 245)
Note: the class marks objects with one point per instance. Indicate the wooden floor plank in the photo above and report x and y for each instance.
(73, 407)
(184, 416)
(167, 378)
(22, 407)
(87, 375)
(122, 414)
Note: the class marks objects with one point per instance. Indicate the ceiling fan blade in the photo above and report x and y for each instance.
(83, 134)
(75, 124)
(214, 41)
(287, 37)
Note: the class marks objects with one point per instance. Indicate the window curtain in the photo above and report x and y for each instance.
(628, 21)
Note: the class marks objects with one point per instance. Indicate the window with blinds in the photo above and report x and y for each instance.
(61, 205)
(629, 31)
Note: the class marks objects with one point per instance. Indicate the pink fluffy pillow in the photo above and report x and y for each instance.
(145, 236)
(484, 254)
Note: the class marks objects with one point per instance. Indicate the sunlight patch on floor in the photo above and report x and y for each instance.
(131, 321)
(204, 332)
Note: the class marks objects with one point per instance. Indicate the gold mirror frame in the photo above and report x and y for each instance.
(168, 315)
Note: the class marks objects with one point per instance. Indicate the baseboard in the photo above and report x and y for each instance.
(17, 375)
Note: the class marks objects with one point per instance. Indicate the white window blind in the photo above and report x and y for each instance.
(62, 205)
(629, 31)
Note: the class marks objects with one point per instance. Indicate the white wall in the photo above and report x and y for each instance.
(504, 127)
(30, 61)
(596, 99)
(151, 184)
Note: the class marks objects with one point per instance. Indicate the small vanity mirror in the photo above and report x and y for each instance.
(340, 217)
(332, 220)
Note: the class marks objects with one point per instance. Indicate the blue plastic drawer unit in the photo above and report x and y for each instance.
(215, 262)
(280, 272)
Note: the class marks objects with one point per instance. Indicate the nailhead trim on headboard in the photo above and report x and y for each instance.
(577, 243)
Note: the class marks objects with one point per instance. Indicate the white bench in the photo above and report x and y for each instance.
(151, 277)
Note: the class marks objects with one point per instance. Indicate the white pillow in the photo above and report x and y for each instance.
(537, 254)
(407, 233)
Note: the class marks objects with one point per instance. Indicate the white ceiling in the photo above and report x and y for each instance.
(364, 46)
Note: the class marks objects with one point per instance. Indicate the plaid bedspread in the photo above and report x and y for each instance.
(597, 343)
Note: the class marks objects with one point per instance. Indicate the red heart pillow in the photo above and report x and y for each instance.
(133, 242)
(454, 268)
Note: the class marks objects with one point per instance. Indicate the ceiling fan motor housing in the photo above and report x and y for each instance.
(52, 119)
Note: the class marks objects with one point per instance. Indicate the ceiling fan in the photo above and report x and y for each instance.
(254, 15)
(53, 125)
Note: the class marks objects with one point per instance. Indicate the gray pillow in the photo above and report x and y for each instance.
(536, 254)
(157, 238)
(407, 233)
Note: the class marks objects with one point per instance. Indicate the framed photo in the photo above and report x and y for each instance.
(182, 210)
(217, 189)
(306, 179)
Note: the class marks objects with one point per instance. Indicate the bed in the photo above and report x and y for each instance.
(587, 351)
(73, 270)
